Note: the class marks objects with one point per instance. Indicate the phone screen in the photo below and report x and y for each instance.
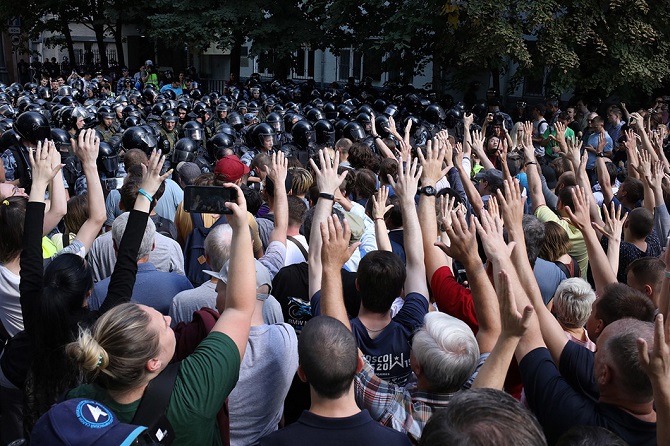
(208, 199)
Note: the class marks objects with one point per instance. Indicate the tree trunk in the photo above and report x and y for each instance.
(68, 39)
(495, 76)
(235, 55)
(118, 40)
(99, 30)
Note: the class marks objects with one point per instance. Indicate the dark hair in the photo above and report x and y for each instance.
(134, 157)
(361, 157)
(483, 417)
(541, 108)
(381, 276)
(365, 184)
(296, 210)
(12, 218)
(590, 436)
(640, 222)
(328, 355)
(347, 186)
(394, 218)
(253, 198)
(634, 189)
(565, 197)
(648, 271)
(388, 166)
(131, 189)
(67, 282)
(619, 301)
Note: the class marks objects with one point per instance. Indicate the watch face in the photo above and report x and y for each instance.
(429, 190)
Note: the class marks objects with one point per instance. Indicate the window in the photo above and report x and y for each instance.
(372, 64)
(349, 64)
(304, 64)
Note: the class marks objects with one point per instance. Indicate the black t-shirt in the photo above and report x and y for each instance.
(312, 429)
(559, 406)
(291, 289)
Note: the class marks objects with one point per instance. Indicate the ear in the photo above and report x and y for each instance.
(603, 375)
(648, 290)
(625, 224)
(301, 374)
(154, 365)
(600, 326)
(359, 365)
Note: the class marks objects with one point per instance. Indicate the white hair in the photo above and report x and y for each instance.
(217, 246)
(119, 227)
(573, 300)
(447, 351)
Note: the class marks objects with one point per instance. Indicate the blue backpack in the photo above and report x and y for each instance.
(194, 250)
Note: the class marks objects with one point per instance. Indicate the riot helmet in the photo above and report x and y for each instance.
(325, 132)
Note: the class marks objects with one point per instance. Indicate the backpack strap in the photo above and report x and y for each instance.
(154, 403)
(299, 245)
(563, 268)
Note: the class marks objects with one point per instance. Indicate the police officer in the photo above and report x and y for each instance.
(30, 127)
(168, 131)
(106, 123)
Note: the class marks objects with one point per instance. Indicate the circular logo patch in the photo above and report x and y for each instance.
(93, 414)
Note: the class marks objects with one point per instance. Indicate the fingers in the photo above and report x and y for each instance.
(527, 315)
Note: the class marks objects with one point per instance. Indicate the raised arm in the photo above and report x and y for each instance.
(122, 281)
(334, 254)
(612, 229)
(534, 182)
(478, 140)
(471, 192)
(383, 148)
(57, 199)
(240, 301)
(87, 151)
(277, 172)
(638, 122)
(514, 326)
(432, 172)
(468, 119)
(511, 205)
(644, 170)
(598, 263)
(379, 210)
(405, 188)
(327, 181)
(43, 161)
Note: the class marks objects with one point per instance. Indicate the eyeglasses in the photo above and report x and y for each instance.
(15, 191)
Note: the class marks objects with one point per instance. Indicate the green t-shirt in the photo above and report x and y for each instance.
(549, 149)
(204, 381)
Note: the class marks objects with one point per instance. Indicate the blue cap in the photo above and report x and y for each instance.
(79, 422)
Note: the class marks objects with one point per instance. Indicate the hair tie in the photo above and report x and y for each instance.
(5, 202)
(99, 360)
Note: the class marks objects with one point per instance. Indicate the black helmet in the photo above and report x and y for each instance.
(8, 139)
(262, 131)
(105, 112)
(169, 116)
(64, 90)
(227, 129)
(434, 114)
(139, 137)
(381, 124)
(364, 119)
(184, 150)
(217, 144)
(325, 132)
(7, 111)
(220, 108)
(236, 120)
(380, 105)
(32, 126)
(365, 108)
(108, 159)
(196, 94)
(330, 110)
(61, 139)
(276, 121)
(279, 109)
(193, 130)
(159, 108)
(131, 121)
(254, 107)
(199, 109)
(453, 117)
(314, 115)
(345, 111)
(45, 93)
(303, 133)
(353, 131)
(78, 85)
(392, 111)
(339, 127)
(149, 94)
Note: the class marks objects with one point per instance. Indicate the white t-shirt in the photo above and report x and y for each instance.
(293, 254)
(10, 303)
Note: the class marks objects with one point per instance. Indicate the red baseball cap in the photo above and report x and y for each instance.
(231, 168)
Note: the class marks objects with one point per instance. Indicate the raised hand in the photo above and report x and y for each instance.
(327, 178)
(580, 216)
(43, 163)
(408, 181)
(613, 223)
(87, 147)
(511, 204)
(513, 323)
(379, 207)
(152, 178)
(432, 163)
(490, 230)
(278, 169)
(462, 238)
(478, 141)
(336, 251)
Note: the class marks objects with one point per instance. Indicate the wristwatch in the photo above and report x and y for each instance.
(601, 154)
(429, 191)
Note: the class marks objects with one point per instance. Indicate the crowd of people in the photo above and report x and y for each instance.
(390, 267)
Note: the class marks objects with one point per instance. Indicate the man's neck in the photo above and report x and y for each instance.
(293, 231)
(374, 322)
(342, 407)
(643, 411)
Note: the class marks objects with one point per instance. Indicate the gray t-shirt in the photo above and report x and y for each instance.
(166, 206)
(167, 256)
(256, 403)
